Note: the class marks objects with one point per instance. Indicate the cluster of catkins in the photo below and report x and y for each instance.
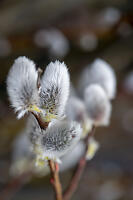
(91, 105)
(51, 134)
(58, 120)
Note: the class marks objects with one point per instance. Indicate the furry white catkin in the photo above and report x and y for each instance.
(55, 88)
(76, 110)
(22, 85)
(99, 72)
(23, 157)
(60, 138)
(97, 104)
(52, 96)
(69, 160)
(56, 140)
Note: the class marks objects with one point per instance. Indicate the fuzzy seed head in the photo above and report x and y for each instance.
(60, 138)
(99, 72)
(22, 85)
(97, 104)
(54, 90)
(69, 160)
(75, 109)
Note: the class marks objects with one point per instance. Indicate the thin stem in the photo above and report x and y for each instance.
(41, 123)
(39, 77)
(55, 180)
(79, 170)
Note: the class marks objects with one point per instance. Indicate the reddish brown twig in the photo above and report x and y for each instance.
(15, 185)
(55, 180)
(41, 123)
(39, 77)
(79, 171)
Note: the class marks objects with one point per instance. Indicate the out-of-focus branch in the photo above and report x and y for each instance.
(79, 170)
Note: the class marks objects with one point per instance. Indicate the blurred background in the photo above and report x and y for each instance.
(76, 32)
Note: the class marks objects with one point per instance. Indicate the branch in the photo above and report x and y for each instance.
(41, 123)
(79, 170)
(39, 77)
(55, 180)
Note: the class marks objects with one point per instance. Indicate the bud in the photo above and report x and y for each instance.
(54, 90)
(22, 85)
(99, 72)
(69, 160)
(76, 111)
(97, 104)
(59, 139)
